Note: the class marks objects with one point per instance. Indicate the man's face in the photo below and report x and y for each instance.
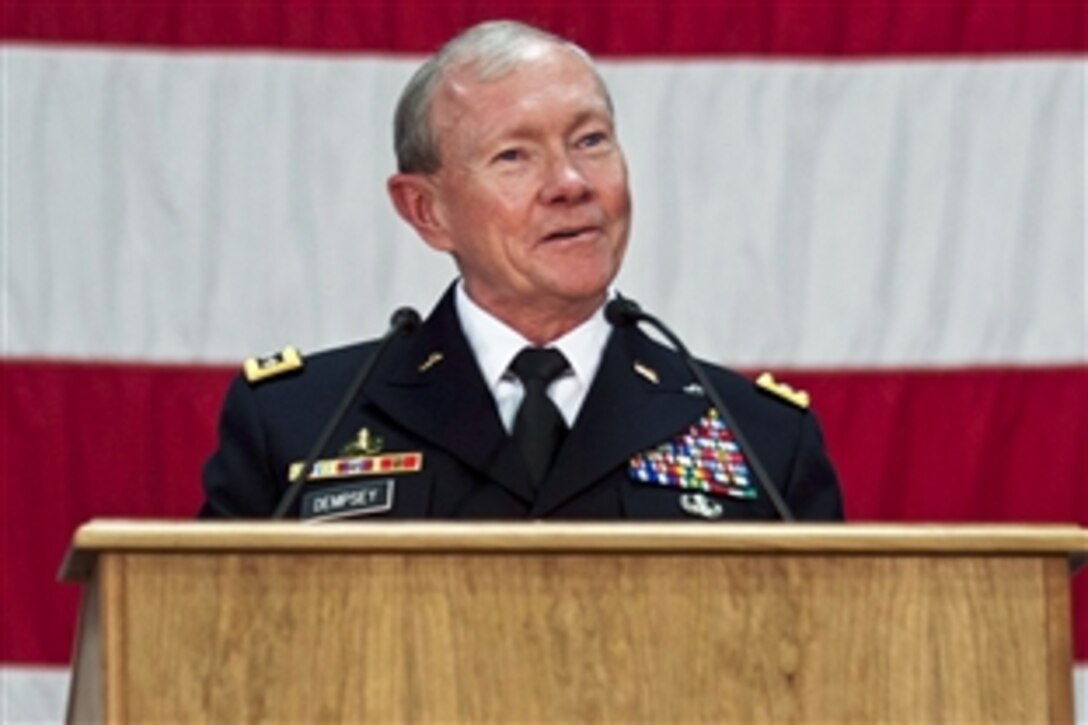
(531, 197)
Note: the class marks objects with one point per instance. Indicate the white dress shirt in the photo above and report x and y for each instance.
(495, 344)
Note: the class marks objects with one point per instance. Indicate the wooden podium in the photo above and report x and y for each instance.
(424, 622)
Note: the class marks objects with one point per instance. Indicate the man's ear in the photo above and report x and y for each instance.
(415, 199)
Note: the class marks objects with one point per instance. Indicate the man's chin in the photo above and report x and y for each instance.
(589, 291)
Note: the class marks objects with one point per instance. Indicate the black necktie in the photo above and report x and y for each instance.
(539, 427)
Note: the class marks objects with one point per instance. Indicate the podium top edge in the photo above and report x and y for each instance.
(133, 536)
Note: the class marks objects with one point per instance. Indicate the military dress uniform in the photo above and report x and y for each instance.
(424, 440)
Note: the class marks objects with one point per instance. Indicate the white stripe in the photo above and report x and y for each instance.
(33, 694)
(40, 694)
(179, 207)
(1080, 694)
(864, 214)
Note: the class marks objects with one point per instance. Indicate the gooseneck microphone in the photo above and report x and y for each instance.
(621, 312)
(404, 321)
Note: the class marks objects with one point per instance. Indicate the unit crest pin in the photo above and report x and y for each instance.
(700, 505)
(364, 445)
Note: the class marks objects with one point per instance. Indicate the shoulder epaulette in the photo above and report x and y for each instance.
(767, 382)
(264, 367)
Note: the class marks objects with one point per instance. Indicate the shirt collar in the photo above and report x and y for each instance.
(495, 343)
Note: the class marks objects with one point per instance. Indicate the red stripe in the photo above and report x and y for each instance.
(80, 441)
(978, 444)
(779, 28)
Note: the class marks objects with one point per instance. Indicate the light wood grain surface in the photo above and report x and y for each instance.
(284, 622)
(468, 637)
(125, 535)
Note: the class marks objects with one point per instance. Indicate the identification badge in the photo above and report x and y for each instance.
(357, 498)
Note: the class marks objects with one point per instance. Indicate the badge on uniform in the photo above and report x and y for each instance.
(704, 458)
(767, 383)
(387, 464)
(361, 457)
(700, 505)
(264, 367)
(355, 498)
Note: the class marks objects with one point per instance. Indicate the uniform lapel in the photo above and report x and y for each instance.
(431, 385)
(637, 401)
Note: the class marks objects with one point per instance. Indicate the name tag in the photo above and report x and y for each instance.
(357, 498)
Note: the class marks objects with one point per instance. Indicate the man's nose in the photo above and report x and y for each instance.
(566, 182)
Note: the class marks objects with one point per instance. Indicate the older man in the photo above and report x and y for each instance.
(516, 398)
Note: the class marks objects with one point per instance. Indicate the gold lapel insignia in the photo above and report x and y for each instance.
(269, 366)
(433, 359)
(767, 382)
(646, 372)
(363, 445)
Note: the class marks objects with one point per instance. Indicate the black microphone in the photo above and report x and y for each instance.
(622, 311)
(404, 321)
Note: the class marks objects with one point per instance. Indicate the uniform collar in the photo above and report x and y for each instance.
(494, 343)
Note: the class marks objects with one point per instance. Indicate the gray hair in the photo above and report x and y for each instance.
(492, 49)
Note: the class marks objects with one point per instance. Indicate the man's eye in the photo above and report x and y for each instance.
(596, 138)
(508, 155)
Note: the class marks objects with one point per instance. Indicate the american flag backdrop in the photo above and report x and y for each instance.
(881, 200)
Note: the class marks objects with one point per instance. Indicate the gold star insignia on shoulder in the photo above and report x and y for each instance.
(264, 367)
(767, 382)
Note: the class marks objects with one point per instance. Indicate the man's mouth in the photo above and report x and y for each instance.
(570, 233)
